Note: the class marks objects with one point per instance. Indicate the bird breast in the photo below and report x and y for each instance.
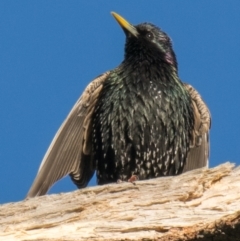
(139, 125)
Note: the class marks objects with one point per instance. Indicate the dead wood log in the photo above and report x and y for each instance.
(199, 205)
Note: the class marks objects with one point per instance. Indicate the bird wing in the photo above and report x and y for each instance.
(198, 155)
(70, 150)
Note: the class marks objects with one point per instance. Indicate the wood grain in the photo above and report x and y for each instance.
(199, 205)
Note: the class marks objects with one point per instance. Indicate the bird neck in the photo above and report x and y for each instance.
(138, 53)
(151, 67)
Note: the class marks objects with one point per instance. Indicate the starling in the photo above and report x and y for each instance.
(137, 121)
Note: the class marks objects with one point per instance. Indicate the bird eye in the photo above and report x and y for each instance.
(149, 35)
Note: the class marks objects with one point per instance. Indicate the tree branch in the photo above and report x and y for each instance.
(199, 205)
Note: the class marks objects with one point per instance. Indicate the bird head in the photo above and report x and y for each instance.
(146, 40)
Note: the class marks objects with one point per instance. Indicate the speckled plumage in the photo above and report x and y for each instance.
(143, 122)
(139, 120)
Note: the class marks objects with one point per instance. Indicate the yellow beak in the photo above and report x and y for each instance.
(125, 24)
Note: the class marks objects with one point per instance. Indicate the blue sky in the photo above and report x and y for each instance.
(50, 51)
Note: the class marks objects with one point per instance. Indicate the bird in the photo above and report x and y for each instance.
(135, 122)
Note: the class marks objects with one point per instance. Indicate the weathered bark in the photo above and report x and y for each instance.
(199, 205)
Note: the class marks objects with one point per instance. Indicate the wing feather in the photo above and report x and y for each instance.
(70, 149)
(198, 155)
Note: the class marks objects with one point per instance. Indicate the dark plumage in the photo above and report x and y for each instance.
(137, 121)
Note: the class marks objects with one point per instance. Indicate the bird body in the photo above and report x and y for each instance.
(137, 120)
(142, 123)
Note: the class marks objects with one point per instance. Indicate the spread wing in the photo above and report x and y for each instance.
(198, 155)
(70, 150)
